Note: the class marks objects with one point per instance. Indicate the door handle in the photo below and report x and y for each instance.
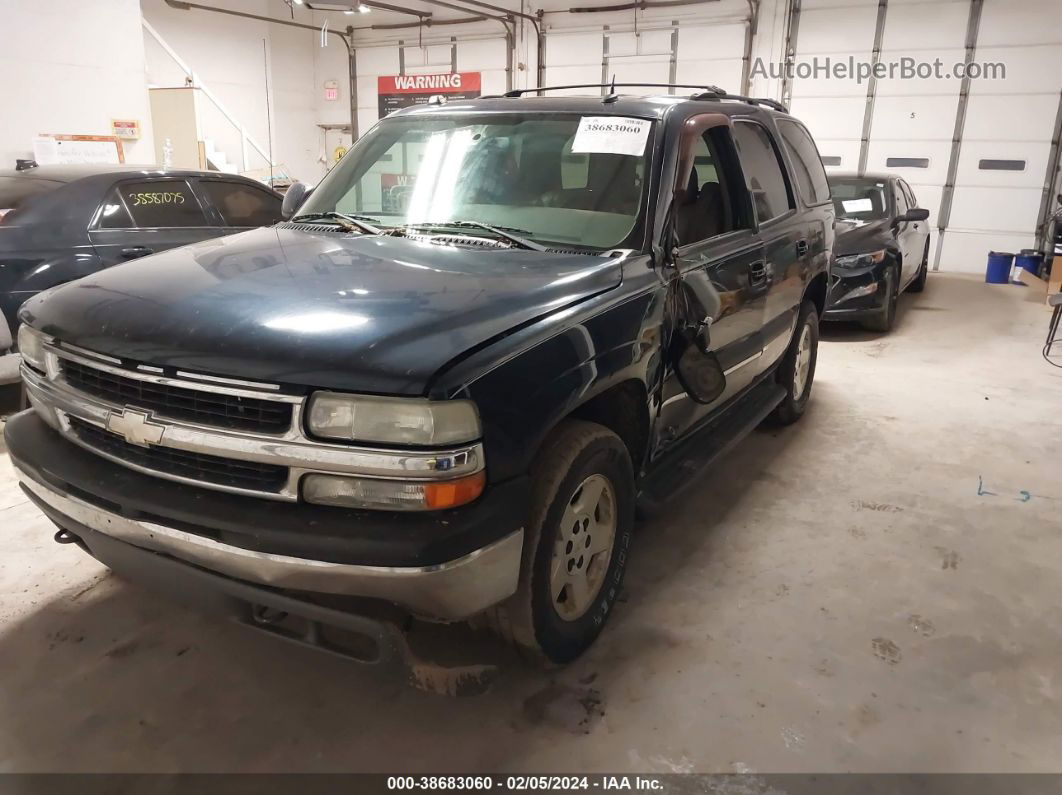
(758, 274)
(801, 248)
(136, 251)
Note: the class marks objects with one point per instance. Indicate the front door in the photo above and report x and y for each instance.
(908, 238)
(920, 230)
(145, 216)
(721, 281)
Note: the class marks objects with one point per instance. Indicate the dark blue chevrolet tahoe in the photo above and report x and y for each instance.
(441, 388)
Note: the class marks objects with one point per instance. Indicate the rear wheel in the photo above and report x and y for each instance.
(797, 369)
(575, 544)
(919, 284)
(883, 318)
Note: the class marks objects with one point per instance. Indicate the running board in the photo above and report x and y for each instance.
(687, 462)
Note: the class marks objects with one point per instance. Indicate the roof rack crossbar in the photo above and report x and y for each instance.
(704, 92)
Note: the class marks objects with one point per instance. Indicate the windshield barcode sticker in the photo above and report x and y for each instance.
(611, 135)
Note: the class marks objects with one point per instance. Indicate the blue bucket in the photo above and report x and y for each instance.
(999, 266)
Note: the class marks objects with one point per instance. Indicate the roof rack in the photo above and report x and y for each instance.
(704, 92)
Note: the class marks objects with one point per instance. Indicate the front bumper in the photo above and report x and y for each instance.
(855, 294)
(289, 546)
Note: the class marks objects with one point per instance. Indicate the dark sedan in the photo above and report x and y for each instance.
(59, 223)
(881, 248)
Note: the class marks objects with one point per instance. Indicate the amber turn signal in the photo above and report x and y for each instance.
(451, 493)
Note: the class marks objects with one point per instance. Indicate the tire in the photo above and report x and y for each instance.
(797, 370)
(576, 457)
(919, 284)
(883, 319)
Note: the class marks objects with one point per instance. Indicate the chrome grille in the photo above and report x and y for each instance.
(208, 469)
(179, 403)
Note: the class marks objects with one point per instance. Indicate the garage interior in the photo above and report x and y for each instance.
(871, 590)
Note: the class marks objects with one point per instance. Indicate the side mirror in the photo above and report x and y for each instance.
(697, 368)
(914, 214)
(293, 197)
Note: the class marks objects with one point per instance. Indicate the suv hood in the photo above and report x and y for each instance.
(322, 309)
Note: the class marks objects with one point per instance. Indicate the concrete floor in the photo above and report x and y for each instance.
(874, 589)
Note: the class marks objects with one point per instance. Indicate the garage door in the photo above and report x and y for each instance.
(1006, 139)
(696, 54)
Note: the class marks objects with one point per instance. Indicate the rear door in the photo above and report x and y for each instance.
(782, 230)
(721, 279)
(145, 216)
(240, 205)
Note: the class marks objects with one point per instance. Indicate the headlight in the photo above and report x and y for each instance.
(31, 346)
(861, 260)
(412, 421)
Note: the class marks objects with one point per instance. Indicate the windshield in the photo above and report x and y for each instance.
(554, 179)
(860, 199)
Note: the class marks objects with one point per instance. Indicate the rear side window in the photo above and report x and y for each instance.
(242, 205)
(810, 175)
(113, 214)
(162, 203)
(763, 171)
(16, 192)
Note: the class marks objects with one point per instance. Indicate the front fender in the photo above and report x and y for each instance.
(525, 395)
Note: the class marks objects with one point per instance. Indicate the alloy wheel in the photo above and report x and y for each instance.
(583, 549)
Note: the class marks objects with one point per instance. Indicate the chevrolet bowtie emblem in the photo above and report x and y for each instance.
(136, 427)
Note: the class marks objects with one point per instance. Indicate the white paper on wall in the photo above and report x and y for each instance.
(612, 135)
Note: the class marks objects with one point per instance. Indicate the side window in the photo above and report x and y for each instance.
(242, 205)
(810, 175)
(763, 171)
(162, 203)
(708, 208)
(112, 214)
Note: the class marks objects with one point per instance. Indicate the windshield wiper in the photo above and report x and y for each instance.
(351, 223)
(502, 232)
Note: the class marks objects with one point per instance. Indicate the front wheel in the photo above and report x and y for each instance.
(797, 369)
(884, 317)
(575, 544)
(919, 284)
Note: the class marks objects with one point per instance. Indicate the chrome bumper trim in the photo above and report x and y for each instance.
(450, 591)
(291, 450)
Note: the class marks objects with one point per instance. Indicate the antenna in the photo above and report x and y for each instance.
(612, 86)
